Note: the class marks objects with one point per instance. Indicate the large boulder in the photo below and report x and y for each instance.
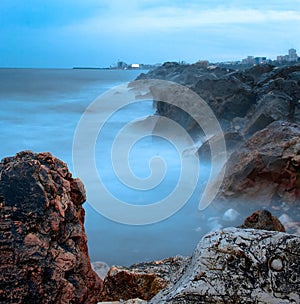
(266, 168)
(239, 266)
(43, 246)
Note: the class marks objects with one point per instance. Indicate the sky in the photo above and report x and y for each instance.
(98, 33)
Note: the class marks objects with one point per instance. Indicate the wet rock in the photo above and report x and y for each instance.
(230, 215)
(263, 219)
(43, 246)
(265, 169)
(239, 266)
(142, 280)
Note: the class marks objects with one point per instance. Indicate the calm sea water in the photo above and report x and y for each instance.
(39, 111)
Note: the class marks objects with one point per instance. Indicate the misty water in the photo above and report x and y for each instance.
(40, 110)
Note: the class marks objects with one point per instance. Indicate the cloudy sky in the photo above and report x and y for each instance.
(67, 33)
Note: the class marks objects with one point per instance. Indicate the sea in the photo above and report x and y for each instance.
(41, 109)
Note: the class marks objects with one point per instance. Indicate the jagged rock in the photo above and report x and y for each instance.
(228, 96)
(271, 107)
(239, 266)
(142, 280)
(265, 169)
(43, 245)
(254, 97)
(263, 219)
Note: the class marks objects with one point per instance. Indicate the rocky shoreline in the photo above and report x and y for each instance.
(44, 255)
(43, 245)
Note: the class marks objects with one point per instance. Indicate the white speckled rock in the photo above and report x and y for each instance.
(240, 266)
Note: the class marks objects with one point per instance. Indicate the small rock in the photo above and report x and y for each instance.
(230, 215)
(263, 219)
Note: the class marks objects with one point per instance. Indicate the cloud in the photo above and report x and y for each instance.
(176, 18)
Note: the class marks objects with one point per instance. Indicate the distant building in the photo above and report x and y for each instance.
(121, 65)
(291, 57)
(203, 63)
(135, 65)
(248, 60)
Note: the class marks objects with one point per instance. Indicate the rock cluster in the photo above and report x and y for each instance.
(43, 246)
(244, 101)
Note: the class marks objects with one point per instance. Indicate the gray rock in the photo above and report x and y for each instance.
(240, 266)
(230, 215)
(271, 107)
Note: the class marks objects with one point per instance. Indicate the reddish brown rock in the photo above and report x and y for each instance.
(263, 219)
(43, 245)
(266, 168)
(142, 280)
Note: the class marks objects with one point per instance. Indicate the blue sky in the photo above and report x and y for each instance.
(67, 33)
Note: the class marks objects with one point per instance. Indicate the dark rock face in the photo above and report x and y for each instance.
(239, 266)
(228, 97)
(263, 219)
(256, 97)
(142, 280)
(43, 246)
(271, 107)
(266, 168)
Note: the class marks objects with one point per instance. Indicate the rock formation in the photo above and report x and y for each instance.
(143, 280)
(255, 97)
(266, 168)
(263, 219)
(43, 246)
(239, 266)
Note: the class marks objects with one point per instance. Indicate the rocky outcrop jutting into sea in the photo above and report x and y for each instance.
(244, 101)
(43, 246)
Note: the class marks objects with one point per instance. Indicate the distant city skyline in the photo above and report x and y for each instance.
(67, 33)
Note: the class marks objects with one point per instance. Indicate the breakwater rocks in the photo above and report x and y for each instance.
(43, 246)
(243, 101)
